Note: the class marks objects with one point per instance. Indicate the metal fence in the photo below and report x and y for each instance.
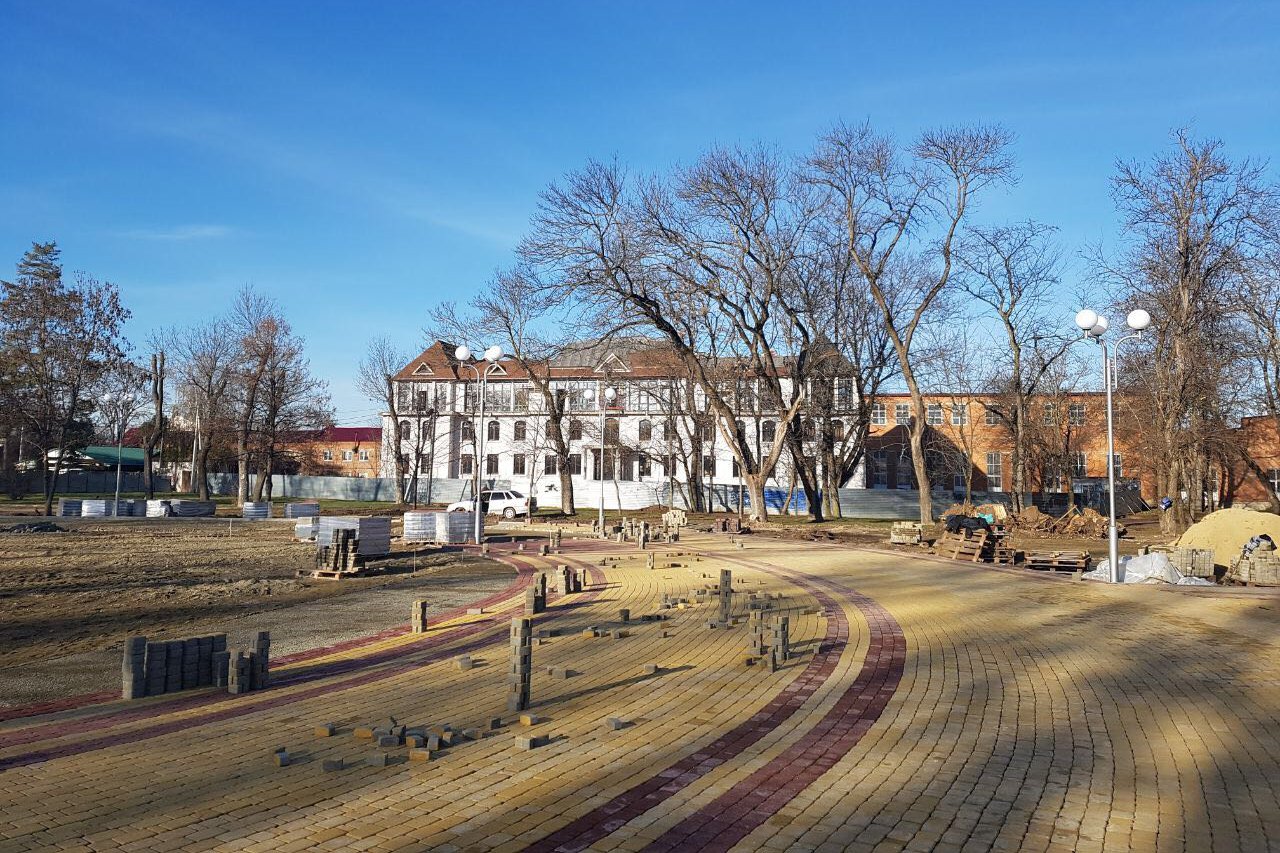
(95, 482)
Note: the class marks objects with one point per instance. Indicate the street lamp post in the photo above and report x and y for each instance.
(1094, 327)
(608, 397)
(491, 355)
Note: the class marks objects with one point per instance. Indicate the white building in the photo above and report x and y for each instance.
(651, 450)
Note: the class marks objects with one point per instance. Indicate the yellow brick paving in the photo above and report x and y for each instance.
(1031, 715)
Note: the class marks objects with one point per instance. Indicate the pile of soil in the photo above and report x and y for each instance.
(1226, 531)
(34, 527)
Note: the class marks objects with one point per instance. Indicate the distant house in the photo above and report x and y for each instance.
(336, 451)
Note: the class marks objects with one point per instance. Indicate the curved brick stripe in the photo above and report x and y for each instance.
(604, 820)
(486, 629)
(83, 699)
(729, 818)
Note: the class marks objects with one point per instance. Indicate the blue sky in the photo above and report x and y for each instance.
(359, 162)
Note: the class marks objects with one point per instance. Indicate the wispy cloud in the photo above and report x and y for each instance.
(179, 233)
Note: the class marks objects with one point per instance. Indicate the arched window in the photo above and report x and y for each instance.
(669, 429)
(646, 431)
(708, 430)
(807, 430)
(768, 431)
(520, 431)
(837, 430)
(406, 431)
(575, 430)
(495, 431)
(468, 430)
(611, 430)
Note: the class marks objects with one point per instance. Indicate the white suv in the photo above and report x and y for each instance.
(508, 504)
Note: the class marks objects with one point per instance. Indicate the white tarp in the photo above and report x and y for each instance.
(1147, 568)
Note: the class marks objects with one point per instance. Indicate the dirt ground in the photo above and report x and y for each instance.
(69, 599)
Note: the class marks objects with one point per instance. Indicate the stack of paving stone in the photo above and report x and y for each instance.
(193, 509)
(780, 641)
(372, 533)
(169, 666)
(520, 671)
(302, 509)
(256, 510)
(69, 507)
(534, 602)
(454, 528)
(564, 580)
(248, 669)
(97, 508)
(304, 529)
(1259, 566)
(420, 526)
(726, 596)
(418, 617)
(159, 509)
(759, 634)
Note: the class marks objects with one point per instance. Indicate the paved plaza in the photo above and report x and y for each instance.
(927, 706)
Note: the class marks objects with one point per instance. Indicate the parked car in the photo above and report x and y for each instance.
(505, 503)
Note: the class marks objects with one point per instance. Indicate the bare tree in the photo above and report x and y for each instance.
(524, 316)
(375, 378)
(1195, 224)
(1013, 270)
(257, 324)
(884, 201)
(291, 399)
(206, 357)
(712, 249)
(154, 436)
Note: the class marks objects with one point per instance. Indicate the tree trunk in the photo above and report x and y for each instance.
(918, 461)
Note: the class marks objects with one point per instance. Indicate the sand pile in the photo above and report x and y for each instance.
(1226, 531)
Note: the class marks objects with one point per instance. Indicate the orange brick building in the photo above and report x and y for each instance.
(337, 451)
(969, 441)
(1255, 476)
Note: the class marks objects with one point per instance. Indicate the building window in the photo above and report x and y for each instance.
(879, 469)
(549, 464)
(992, 417)
(1075, 414)
(933, 414)
(348, 455)
(959, 414)
(737, 469)
(669, 430)
(669, 465)
(575, 464)
(611, 430)
(326, 455)
(1273, 477)
(646, 431)
(406, 431)
(1078, 464)
(424, 466)
(522, 398)
(844, 394)
(1117, 462)
(517, 464)
(364, 455)
(837, 430)
(519, 431)
(768, 431)
(465, 464)
(877, 414)
(959, 482)
(807, 430)
(995, 471)
(468, 430)
(1050, 414)
(575, 430)
(708, 430)
(494, 433)
(708, 466)
(643, 465)
(902, 413)
(490, 464)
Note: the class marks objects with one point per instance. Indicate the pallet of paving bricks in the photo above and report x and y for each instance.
(337, 558)
(1059, 561)
(960, 546)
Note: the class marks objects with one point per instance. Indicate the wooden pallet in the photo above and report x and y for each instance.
(959, 546)
(1059, 561)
